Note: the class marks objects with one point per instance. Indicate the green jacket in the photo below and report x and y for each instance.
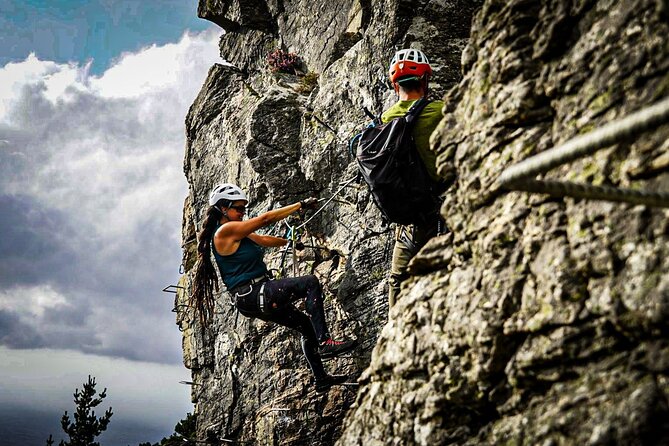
(427, 122)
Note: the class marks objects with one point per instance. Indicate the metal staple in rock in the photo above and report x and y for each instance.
(520, 176)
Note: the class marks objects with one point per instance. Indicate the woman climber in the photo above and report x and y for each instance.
(239, 256)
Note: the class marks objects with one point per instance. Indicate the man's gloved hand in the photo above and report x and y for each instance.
(299, 246)
(309, 203)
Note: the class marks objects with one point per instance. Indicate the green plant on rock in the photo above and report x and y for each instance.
(377, 274)
(307, 83)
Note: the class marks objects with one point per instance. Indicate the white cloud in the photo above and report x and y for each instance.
(104, 155)
(31, 302)
(57, 81)
(156, 68)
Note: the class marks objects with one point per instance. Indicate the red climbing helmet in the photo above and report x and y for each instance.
(409, 62)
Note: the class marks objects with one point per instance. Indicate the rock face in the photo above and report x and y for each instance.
(535, 320)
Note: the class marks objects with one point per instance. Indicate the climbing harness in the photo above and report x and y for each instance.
(261, 298)
(521, 176)
(406, 238)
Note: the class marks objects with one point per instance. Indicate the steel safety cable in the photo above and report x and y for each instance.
(520, 176)
(292, 230)
(580, 190)
(346, 183)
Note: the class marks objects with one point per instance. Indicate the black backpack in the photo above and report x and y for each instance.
(397, 177)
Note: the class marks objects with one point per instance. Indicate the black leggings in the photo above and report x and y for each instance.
(279, 296)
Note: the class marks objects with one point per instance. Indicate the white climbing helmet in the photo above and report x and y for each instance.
(226, 191)
(409, 62)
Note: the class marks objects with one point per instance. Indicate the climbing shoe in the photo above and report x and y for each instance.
(331, 348)
(324, 384)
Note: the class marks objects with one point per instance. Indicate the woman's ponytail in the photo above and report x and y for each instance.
(205, 281)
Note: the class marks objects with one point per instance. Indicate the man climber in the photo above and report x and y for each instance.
(410, 73)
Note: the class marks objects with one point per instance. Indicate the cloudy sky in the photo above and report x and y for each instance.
(93, 96)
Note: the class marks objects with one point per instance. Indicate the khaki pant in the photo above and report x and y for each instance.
(408, 241)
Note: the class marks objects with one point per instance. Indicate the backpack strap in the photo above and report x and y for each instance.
(376, 120)
(416, 110)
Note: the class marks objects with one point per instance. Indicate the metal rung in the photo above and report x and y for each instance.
(189, 241)
(176, 307)
(172, 289)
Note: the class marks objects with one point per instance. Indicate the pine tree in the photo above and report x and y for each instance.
(86, 425)
(184, 433)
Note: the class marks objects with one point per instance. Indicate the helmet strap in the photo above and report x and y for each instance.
(223, 212)
(410, 78)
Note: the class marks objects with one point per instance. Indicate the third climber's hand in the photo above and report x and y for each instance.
(309, 203)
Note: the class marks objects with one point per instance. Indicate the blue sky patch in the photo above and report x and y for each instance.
(97, 30)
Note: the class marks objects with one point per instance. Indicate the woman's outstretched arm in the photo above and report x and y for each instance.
(268, 241)
(237, 230)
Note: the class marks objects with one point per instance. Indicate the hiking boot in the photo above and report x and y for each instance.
(324, 384)
(331, 348)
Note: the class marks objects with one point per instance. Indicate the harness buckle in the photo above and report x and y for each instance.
(261, 298)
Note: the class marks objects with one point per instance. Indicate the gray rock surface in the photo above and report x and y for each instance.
(532, 322)
(535, 320)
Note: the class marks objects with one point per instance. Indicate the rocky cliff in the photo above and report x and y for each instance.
(536, 319)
